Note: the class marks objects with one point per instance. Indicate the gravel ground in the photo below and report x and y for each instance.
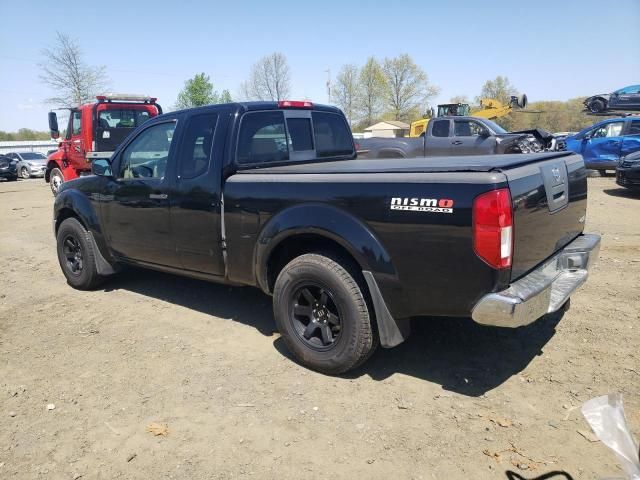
(156, 376)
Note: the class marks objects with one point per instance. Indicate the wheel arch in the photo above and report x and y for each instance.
(307, 228)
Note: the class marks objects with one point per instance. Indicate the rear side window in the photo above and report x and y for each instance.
(333, 137)
(440, 128)
(634, 128)
(263, 138)
(195, 153)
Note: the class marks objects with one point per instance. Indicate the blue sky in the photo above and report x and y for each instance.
(555, 51)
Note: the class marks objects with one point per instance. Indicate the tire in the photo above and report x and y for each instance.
(322, 314)
(76, 255)
(12, 179)
(55, 180)
(596, 106)
(24, 173)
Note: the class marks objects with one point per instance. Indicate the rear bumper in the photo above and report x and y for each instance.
(543, 290)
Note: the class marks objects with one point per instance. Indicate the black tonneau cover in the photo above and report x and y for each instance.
(471, 163)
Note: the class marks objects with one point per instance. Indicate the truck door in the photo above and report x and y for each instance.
(471, 138)
(135, 203)
(77, 149)
(437, 141)
(196, 203)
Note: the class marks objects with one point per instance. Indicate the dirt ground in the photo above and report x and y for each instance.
(455, 401)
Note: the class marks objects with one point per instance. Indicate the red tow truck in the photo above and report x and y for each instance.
(94, 131)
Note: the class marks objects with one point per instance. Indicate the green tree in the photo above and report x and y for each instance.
(371, 91)
(345, 90)
(499, 88)
(408, 88)
(225, 97)
(197, 91)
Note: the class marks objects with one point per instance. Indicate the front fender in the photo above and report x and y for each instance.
(329, 222)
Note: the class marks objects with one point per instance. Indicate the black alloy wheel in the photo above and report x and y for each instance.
(315, 317)
(73, 254)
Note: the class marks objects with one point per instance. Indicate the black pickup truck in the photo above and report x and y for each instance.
(272, 195)
(458, 135)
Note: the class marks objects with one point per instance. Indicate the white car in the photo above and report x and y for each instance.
(30, 164)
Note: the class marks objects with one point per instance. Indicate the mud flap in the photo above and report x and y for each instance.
(392, 332)
(102, 265)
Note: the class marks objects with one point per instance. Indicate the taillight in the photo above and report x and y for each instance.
(294, 104)
(493, 228)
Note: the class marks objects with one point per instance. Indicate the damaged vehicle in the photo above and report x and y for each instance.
(627, 98)
(453, 136)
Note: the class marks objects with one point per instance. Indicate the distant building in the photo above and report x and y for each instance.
(389, 128)
(41, 146)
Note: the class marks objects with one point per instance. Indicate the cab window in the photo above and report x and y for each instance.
(332, 135)
(76, 123)
(440, 128)
(613, 129)
(147, 155)
(467, 128)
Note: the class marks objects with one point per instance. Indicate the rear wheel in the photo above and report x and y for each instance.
(322, 314)
(24, 173)
(55, 180)
(12, 179)
(76, 255)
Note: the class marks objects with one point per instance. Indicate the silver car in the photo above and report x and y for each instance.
(30, 164)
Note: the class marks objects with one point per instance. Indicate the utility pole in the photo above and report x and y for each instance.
(328, 71)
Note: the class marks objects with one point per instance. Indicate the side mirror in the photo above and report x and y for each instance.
(53, 125)
(101, 167)
(484, 133)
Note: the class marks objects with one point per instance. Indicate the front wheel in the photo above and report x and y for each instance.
(597, 106)
(24, 173)
(55, 180)
(76, 255)
(322, 315)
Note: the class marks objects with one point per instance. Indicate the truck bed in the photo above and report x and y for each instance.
(471, 163)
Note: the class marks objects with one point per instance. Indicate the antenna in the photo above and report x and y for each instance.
(328, 71)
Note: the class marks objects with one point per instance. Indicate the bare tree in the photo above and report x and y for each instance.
(65, 72)
(269, 79)
(345, 90)
(371, 90)
(408, 87)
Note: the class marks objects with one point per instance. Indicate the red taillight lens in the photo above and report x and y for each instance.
(294, 104)
(493, 228)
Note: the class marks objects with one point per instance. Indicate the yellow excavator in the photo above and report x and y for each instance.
(490, 108)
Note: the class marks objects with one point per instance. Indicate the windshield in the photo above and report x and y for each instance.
(495, 127)
(122, 118)
(32, 156)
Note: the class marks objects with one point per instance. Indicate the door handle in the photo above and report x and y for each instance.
(158, 196)
(456, 142)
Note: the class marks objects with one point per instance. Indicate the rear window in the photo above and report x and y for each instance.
(333, 137)
(276, 136)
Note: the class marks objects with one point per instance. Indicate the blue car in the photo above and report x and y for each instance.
(603, 144)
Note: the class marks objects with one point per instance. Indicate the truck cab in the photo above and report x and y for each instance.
(94, 131)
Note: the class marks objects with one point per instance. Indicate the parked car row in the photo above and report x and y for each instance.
(23, 164)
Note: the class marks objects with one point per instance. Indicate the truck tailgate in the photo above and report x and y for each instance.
(549, 208)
